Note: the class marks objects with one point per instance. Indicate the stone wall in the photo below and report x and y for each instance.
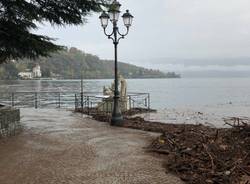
(9, 121)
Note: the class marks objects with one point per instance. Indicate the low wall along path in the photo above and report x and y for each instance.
(9, 121)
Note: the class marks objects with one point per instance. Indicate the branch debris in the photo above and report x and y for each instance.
(203, 155)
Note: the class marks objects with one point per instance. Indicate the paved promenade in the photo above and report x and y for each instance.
(60, 147)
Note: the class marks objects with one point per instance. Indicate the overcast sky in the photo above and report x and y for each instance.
(169, 29)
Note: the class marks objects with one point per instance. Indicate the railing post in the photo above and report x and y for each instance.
(82, 101)
(148, 101)
(88, 103)
(12, 99)
(107, 107)
(59, 100)
(36, 100)
(76, 102)
(129, 102)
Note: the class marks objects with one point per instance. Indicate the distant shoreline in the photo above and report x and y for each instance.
(51, 79)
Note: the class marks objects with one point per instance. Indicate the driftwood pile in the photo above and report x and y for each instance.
(106, 116)
(202, 155)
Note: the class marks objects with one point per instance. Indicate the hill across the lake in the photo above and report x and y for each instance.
(73, 63)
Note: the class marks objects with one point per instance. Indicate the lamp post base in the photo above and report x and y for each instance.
(117, 120)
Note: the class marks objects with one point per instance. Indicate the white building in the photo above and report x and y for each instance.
(25, 75)
(37, 71)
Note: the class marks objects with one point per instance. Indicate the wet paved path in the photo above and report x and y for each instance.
(59, 147)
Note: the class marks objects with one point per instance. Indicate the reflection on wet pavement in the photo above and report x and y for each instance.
(60, 147)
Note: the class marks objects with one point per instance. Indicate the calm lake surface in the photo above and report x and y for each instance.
(165, 93)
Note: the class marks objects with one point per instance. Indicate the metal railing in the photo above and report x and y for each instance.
(88, 102)
(72, 100)
(139, 100)
(41, 99)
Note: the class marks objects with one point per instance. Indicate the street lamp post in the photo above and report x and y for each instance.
(113, 16)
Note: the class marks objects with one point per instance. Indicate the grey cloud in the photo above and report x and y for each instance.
(169, 28)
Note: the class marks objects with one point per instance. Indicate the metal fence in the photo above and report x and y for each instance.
(41, 99)
(48, 99)
(88, 102)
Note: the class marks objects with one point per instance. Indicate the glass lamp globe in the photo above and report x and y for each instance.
(104, 19)
(114, 11)
(127, 19)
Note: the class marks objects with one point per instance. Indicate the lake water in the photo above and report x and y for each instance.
(165, 93)
(187, 100)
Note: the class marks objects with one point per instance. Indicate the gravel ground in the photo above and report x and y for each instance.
(59, 147)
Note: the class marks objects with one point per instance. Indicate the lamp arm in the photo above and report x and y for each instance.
(109, 35)
(123, 35)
